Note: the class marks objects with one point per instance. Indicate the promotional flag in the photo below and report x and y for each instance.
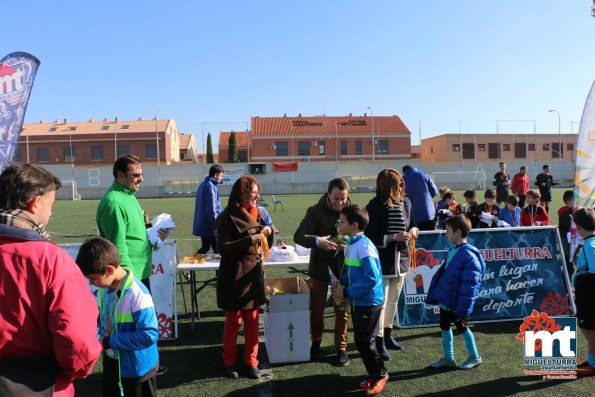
(287, 167)
(17, 72)
(584, 180)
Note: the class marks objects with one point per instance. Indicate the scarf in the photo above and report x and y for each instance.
(23, 220)
(252, 211)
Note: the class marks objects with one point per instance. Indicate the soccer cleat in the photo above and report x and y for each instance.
(376, 386)
(161, 370)
(342, 358)
(585, 369)
(470, 363)
(443, 363)
(364, 384)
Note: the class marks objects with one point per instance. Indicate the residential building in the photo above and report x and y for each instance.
(92, 142)
(450, 148)
(243, 143)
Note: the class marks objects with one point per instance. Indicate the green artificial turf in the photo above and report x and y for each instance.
(194, 360)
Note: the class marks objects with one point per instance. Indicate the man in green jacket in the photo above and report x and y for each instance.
(318, 231)
(121, 220)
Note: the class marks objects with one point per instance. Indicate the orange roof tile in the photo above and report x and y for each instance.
(327, 125)
(95, 127)
(242, 138)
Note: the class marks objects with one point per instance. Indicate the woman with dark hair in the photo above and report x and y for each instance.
(390, 229)
(240, 286)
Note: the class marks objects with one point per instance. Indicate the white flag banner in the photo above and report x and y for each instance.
(584, 180)
(231, 176)
(163, 274)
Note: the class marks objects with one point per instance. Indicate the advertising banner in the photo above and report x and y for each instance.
(230, 176)
(17, 72)
(285, 167)
(524, 271)
(162, 285)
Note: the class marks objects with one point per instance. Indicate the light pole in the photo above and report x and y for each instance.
(373, 140)
(559, 134)
(157, 141)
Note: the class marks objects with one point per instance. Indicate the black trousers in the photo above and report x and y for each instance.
(207, 243)
(522, 199)
(447, 317)
(427, 225)
(365, 319)
(132, 386)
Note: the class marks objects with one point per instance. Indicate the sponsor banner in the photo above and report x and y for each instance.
(162, 285)
(17, 72)
(230, 176)
(524, 272)
(287, 167)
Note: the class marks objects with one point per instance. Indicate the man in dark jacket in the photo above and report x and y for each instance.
(318, 231)
(420, 189)
(207, 208)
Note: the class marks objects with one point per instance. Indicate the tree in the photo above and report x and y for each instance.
(232, 151)
(210, 159)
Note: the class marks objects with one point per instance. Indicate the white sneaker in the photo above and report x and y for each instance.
(470, 363)
(443, 363)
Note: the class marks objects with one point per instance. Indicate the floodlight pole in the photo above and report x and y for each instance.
(559, 134)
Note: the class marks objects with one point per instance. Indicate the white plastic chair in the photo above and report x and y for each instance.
(275, 202)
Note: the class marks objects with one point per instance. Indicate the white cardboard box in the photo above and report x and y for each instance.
(287, 336)
(295, 295)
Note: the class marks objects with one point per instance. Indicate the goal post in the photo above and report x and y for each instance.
(460, 180)
(68, 191)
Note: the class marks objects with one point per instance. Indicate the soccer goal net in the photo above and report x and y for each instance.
(461, 180)
(68, 191)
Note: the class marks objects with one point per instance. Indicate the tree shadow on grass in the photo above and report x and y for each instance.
(500, 387)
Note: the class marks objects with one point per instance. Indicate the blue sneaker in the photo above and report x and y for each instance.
(470, 363)
(443, 363)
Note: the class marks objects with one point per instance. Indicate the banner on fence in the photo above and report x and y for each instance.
(162, 285)
(230, 176)
(524, 271)
(285, 167)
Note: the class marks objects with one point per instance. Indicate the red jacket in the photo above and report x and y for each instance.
(520, 184)
(534, 213)
(46, 306)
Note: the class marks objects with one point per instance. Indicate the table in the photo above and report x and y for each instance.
(213, 265)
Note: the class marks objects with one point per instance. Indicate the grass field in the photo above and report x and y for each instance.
(194, 361)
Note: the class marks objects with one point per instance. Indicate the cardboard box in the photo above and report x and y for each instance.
(295, 297)
(287, 336)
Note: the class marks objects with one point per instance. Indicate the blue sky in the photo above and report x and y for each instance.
(208, 62)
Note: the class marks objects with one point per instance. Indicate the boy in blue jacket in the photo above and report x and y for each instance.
(362, 285)
(127, 322)
(455, 288)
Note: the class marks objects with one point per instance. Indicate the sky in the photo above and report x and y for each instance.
(444, 67)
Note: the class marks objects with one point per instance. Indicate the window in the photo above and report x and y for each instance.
(456, 147)
(557, 150)
(68, 156)
(243, 156)
(481, 147)
(125, 126)
(104, 127)
(52, 129)
(303, 148)
(358, 147)
(258, 168)
(343, 147)
(469, 151)
(520, 150)
(493, 150)
(321, 148)
(506, 147)
(382, 146)
(570, 146)
(151, 151)
(546, 147)
(123, 149)
(432, 149)
(531, 147)
(43, 154)
(282, 149)
(96, 152)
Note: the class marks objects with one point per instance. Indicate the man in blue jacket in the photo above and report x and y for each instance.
(420, 189)
(206, 210)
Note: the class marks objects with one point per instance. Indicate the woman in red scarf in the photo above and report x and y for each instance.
(240, 286)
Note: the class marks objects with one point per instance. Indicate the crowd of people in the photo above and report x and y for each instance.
(52, 332)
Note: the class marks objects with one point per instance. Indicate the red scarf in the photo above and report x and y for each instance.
(252, 211)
